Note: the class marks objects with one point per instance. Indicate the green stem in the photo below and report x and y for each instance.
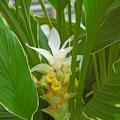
(116, 51)
(113, 56)
(102, 61)
(74, 52)
(27, 20)
(64, 31)
(96, 71)
(110, 62)
(69, 17)
(59, 19)
(17, 9)
(46, 13)
(91, 36)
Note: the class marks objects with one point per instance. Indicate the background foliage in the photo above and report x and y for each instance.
(98, 96)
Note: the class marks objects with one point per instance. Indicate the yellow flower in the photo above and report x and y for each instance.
(56, 86)
(66, 78)
(50, 77)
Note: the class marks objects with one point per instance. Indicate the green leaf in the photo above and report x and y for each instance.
(109, 32)
(116, 3)
(58, 4)
(11, 19)
(95, 10)
(27, 3)
(4, 115)
(20, 29)
(17, 90)
(5, 1)
(35, 28)
(105, 105)
(26, 15)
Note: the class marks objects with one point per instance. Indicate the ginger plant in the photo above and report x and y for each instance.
(56, 76)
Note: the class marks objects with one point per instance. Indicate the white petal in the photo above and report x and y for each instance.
(11, 3)
(79, 41)
(44, 53)
(67, 41)
(63, 52)
(67, 50)
(82, 26)
(54, 41)
(72, 3)
(79, 58)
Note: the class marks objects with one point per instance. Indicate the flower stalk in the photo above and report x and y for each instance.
(46, 13)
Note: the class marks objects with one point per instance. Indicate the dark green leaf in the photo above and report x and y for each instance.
(105, 105)
(109, 32)
(58, 4)
(35, 29)
(116, 3)
(4, 115)
(95, 10)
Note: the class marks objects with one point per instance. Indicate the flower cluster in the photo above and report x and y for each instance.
(56, 75)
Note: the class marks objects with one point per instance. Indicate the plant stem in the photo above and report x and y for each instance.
(91, 36)
(112, 57)
(69, 17)
(102, 60)
(96, 71)
(27, 20)
(64, 31)
(17, 9)
(110, 62)
(46, 13)
(59, 19)
(74, 52)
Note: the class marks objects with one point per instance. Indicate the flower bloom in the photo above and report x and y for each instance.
(50, 77)
(59, 55)
(56, 86)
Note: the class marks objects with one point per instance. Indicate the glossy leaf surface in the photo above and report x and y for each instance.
(16, 85)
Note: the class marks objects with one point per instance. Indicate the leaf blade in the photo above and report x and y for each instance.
(16, 85)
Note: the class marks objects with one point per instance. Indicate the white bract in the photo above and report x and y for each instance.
(72, 3)
(59, 55)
